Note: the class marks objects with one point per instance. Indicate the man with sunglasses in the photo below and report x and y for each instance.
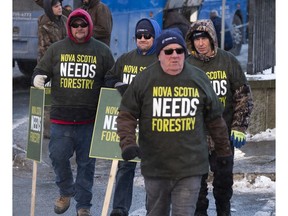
(76, 66)
(120, 76)
(231, 86)
(173, 101)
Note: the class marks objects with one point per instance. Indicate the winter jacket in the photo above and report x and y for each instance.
(51, 28)
(102, 20)
(226, 76)
(173, 19)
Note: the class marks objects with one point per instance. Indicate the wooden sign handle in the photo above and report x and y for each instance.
(33, 193)
(109, 189)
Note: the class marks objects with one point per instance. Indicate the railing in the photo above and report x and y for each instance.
(261, 36)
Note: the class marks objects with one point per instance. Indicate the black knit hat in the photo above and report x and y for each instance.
(144, 26)
(169, 36)
(197, 34)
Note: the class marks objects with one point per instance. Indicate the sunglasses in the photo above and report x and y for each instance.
(146, 36)
(170, 51)
(76, 25)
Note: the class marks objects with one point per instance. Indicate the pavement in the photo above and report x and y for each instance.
(253, 161)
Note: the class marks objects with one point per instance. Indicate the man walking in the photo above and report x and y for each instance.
(120, 76)
(231, 86)
(173, 102)
(76, 66)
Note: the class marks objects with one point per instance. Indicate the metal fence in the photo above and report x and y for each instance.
(261, 36)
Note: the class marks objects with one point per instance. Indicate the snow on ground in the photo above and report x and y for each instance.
(267, 135)
(265, 75)
(262, 184)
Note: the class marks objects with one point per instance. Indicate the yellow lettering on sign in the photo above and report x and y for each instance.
(36, 110)
(34, 137)
(110, 136)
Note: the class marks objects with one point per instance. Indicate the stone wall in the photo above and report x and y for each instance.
(263, 116)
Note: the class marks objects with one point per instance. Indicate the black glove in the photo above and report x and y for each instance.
(130, 152)
(122, 88)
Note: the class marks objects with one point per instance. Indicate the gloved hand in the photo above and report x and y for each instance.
(130, 152)
(39, 81)
(122, 88)
(238, 138)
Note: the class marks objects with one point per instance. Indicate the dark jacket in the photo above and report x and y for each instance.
(102, 20)
(228, 42)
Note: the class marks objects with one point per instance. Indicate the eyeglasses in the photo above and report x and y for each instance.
(146, 36)
(76, 25)
(170, 51)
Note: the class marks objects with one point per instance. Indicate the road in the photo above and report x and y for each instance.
(247, 200)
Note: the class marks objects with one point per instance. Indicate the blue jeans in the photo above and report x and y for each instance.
(124, 186)
(64, 141)
(178, 194)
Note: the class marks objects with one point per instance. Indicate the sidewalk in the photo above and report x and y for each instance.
(255, 159)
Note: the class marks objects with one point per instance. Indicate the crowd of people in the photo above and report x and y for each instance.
(189, 98)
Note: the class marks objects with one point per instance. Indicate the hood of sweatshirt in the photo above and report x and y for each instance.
(157, 31)
(47, 6)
